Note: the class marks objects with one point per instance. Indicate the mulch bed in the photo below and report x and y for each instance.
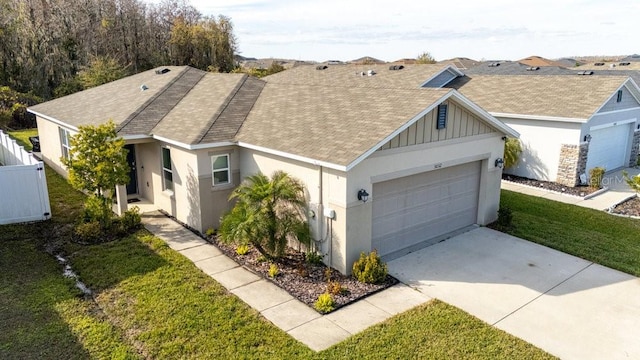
(303, 280)
(630, 207)
(579, 191)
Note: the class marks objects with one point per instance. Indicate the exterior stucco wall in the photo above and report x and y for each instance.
(542, 141)
(50, 147)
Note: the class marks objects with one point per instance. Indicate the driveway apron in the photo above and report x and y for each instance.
(568, 306)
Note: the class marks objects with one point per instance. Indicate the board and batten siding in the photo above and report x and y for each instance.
(460, 123)
(628, 102)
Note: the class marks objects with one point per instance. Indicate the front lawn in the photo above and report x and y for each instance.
(590, 234)
(22, 137)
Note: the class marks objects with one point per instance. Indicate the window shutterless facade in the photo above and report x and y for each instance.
(220, 169)
(167, 170)
(64, 143)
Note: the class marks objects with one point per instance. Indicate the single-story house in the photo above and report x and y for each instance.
(569, 124)
(386, 166)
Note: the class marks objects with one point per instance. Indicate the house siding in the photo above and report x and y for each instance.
(628, 102)
(460, 123)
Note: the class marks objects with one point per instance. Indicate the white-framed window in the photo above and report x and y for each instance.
(220, 169)
(167, 170)
(65, 145)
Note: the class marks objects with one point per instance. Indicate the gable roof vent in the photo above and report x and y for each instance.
(624, 64)
(496, 64)
(321, 67)
(586, 72)
(162, 71)
(533, 68)
(396, 67)
(598, 64)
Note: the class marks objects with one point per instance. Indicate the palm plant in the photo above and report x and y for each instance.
(512, 151)
(268, 212)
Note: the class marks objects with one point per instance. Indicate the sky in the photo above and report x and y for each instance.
(391, 30)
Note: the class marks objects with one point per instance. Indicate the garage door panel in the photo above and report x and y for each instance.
(416, 208)
(609, 147)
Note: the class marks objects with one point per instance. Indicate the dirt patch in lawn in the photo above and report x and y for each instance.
(579, 191)
(630, 207)
(306, 281)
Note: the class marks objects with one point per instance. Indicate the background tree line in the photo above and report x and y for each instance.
(52, 48)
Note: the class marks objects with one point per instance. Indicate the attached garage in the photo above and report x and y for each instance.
(609, 146)
(419, 209)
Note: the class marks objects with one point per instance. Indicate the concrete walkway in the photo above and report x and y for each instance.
(568, 306)
(618, 192)
(283, 310)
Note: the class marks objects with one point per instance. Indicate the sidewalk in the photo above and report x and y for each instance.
(306, 325)
(618, 192)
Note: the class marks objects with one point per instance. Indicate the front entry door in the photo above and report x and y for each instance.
(132, 186)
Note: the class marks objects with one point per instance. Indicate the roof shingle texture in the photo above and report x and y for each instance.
(550, 95)
(334, 125)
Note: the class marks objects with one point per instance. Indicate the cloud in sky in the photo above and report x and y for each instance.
(500, 29)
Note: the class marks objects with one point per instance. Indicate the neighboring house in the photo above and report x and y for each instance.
(538, 61)
(426, 157)
(462, 63)
(569, 124)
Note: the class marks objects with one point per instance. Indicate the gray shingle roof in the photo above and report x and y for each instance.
(550, 95)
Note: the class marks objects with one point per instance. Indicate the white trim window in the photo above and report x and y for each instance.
(167, 170)
(220, 169)
(65, 144)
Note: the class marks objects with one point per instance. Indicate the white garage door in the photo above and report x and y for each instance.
(422, 207)
(608, 147)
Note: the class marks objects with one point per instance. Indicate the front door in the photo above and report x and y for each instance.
(132, 186)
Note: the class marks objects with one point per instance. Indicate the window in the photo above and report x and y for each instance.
(220, 168)
(167, 170)
(442, 117)
(619, 99)
(64, 143)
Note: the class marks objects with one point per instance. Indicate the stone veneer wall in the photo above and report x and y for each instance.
(573, 162)
(635, 149)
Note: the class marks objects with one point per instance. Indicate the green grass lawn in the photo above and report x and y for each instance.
(151, 302)
(22, 137)
(592, 235)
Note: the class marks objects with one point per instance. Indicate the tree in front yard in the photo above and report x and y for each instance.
(97, 163)
(512, 151)
(268, 213)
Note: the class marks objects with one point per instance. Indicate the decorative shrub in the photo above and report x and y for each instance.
(88, 232)
(273, 270)
(314, 258)
(210, 232)
(324, 303)
(302, 270)
(505, 216)
(335, 288)
(95, 210)
(370, 268)
(130, 219)
(242, 249)
(328, 274)
(595, 177)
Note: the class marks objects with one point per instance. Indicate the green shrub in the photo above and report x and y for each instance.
(88, 232)
(595, 177)
(242, 249)
(273, 270)
(130, 219)
(370, 268)
(313, 257)
(210, 232)
(324, 303)
(505, 216)
(95, 209)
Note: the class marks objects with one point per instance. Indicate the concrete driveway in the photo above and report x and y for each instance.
(568, 306)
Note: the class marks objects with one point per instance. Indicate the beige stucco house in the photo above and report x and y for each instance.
(426, 157)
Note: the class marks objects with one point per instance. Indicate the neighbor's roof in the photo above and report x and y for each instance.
(412, 76)
(333, 125)
(461, 63)
(539, 61)
(576, 97)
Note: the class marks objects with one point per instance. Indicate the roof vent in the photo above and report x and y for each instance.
(494, 64)
(599, 64)
(396, 67)
(143, 87)
(162, 71)
(533, 68)
(624, 64)
(321, 67)
(371, 73)
(586, 72)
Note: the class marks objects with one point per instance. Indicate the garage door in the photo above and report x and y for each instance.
(423, 207)
(608, 147)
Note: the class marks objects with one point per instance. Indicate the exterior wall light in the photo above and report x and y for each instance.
(363, 195)
(499, 163)
(587, 138)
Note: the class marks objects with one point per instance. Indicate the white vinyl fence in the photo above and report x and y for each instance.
(23, 186)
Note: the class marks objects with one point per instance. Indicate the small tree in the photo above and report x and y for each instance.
(267, 214)
(97, 163)
(425, 58)
(512, 151)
